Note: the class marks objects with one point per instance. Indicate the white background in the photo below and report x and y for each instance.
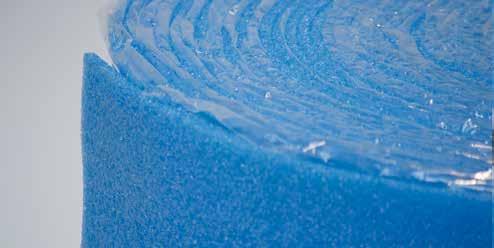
(42, 45)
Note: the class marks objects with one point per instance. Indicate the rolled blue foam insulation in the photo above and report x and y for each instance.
(290, 123)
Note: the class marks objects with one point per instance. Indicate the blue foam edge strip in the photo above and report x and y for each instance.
(158, 175)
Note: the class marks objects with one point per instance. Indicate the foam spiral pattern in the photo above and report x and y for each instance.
(398, 88)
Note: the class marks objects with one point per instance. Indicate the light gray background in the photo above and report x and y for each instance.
(42, 44)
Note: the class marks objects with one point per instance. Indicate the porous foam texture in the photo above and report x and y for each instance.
(290, 123)
(156, 174)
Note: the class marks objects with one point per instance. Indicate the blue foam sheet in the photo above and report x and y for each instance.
(290, 123)
(156, 174)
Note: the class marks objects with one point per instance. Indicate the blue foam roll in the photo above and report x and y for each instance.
(157, 174)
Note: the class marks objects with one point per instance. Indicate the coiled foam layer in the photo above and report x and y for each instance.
(398, 88)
